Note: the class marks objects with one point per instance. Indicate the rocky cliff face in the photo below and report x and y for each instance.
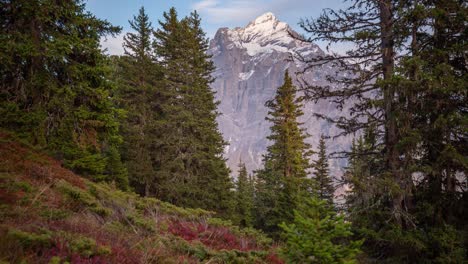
(250, 63)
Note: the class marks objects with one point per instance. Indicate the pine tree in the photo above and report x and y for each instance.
(368, 90)
(286, 162)
(138, 45)
(115, 169)
(435, 84)
(55, 91)
(364, 193)
(318, 235)
(194, 171)
(324, 189)
(139, 90)
(406, 82)
(370, 71)
(361, 177)
(244, 198)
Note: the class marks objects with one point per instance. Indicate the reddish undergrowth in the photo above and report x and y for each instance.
(129, 242)
(217, 237)
(20, 159)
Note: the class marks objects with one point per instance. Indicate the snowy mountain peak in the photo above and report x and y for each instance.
(267, 17)
(264, 27)
(250, 64)
(263, 35)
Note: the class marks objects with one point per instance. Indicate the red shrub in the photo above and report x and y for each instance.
(274, 258)
(212, 236)
(186, 259)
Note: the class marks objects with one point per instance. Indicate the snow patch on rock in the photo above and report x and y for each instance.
(246, 75)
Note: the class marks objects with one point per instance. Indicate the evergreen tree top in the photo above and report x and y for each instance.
(138, 44)
(289, 150)
(325, 189)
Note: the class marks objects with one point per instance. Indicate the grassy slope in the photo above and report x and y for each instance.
(50, 215)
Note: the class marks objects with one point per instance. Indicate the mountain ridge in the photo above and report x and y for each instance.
(250, 63)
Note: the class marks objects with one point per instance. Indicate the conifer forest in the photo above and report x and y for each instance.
(124, 157)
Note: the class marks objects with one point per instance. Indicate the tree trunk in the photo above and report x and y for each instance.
(391, 135)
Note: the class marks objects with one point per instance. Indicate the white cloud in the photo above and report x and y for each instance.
(237, 11)
(205, 4)
(113, 45)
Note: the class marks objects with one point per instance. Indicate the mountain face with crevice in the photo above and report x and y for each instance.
(250, 63)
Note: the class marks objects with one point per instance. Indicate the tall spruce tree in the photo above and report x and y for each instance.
(324, 183)
(54, 88)
(286, 163)
(195, 171)
(244, 198)
(366, 89)
(435, 78)
(405, 81)
(139, 95)
(373, 100)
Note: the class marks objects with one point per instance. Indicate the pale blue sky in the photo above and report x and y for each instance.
(214, 13)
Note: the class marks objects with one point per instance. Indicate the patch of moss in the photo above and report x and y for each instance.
(108, 193)
(54, 214)
(55, 260)
(104, 250)
(76, 195)
(116, 227)
(30, 240)
(88, 247)
(84, 246)
(12, 185)
(102, 211)
(142, 222)
(21, 186)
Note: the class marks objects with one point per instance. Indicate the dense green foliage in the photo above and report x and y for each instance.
(324, 188)
(244, 198)
(140, 94)
(319, 235)
(283, 178)
(406, 89)
(55, 91)
(59, 93)
(193, 172)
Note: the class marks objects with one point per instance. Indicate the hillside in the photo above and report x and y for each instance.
(50, 215)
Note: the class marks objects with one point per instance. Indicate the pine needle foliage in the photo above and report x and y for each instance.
(286, 162)
(318, 235)
(55, 88)
(194, 172)
(244, 198)
(324, 183)
(406, 81)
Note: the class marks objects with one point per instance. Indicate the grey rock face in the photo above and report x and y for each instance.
(250, 63)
